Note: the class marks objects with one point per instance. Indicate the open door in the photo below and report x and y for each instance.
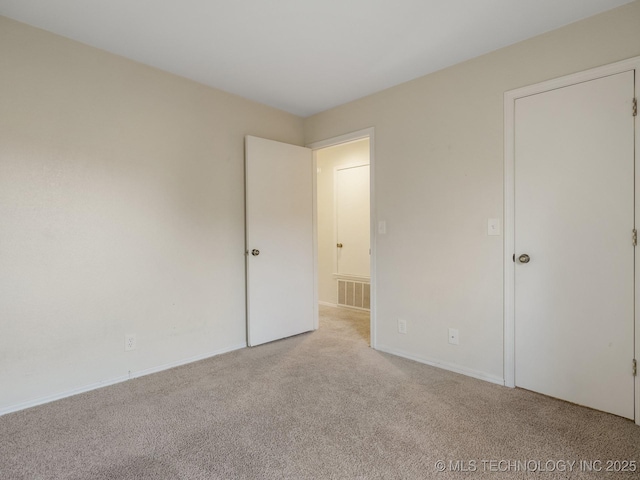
(279, 240)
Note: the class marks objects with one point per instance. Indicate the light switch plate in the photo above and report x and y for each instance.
(402, 326)
(382, 227)
(493, 226)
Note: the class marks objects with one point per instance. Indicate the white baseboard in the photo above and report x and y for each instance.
(444, 365)
(327, 304)
(123, 378)
(197, 358)
(58, 396)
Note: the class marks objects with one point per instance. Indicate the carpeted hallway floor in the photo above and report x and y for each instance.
(319, 405)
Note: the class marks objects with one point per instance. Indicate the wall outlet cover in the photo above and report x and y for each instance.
(130, 342)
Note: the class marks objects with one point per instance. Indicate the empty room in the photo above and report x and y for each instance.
(319, 239)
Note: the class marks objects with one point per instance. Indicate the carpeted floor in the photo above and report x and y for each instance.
(319, 405)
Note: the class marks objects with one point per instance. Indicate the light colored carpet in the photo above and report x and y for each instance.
(319, 405)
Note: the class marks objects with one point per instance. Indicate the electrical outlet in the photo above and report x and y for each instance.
(130, 342)
(402, 326)
(454, 336)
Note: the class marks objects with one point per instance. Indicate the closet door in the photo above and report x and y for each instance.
(574, 217)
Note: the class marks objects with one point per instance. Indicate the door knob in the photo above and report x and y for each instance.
(255, 252)
(524, 258)
(339, 245)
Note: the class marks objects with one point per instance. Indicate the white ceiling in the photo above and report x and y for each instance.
(302, 56)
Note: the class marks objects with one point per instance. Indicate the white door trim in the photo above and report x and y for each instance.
(346, 138)
(509, 205)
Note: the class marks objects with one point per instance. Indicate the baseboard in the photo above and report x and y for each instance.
(197, 358)
(327, 304)
(59, 396)
(444, 365)
(123, 378)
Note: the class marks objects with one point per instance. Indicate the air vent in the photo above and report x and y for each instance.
(354, 294)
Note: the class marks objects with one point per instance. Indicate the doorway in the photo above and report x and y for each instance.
(345, 241)
(569, 247)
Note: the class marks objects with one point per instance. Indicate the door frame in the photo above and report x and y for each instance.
(331, 142)
(509, 206)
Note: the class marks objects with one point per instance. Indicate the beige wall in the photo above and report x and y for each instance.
(328, 159)
(439, 177)
(121, 211)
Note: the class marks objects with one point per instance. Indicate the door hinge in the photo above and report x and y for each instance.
(634, 237)
(634, 107)
(635, 367)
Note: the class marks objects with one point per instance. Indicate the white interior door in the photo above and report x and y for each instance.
(352, 220)
(279, 229)
(574, 216)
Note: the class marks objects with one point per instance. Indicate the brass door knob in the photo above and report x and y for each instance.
(255, 252)
(524, 258)
(339, 245)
